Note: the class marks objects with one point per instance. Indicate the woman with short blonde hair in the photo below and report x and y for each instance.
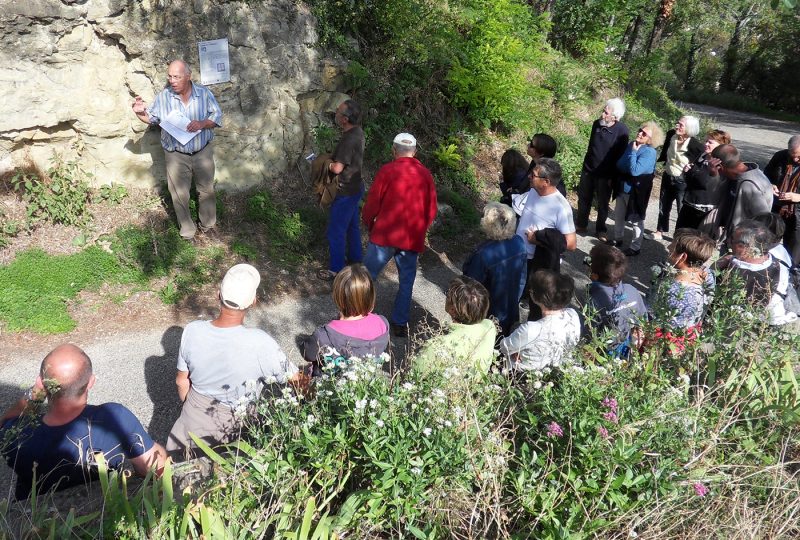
(638, 166)
(500, 263)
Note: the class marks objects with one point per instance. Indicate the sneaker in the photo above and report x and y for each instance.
(630, 252)
(615, 243)
(325, 275)
(657, 235)
(399, 330)
(603, 237)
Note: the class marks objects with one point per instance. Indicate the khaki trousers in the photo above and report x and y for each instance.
(180, 170)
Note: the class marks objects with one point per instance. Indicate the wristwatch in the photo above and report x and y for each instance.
(29, 395)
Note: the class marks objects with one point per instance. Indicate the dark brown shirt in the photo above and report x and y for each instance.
(350, 152)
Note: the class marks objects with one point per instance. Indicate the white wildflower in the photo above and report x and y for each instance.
(328, 393)
(379, 423)
(408, 386)
(448, 423)
(537, 385)
(413, 406)
(427, 431)
(270, 379)
(427, 410)
(311, 420)
(361, 404)
(373, 404)
(416, 471)
(384, 357)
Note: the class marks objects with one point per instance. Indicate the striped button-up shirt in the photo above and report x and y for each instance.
(202, 106)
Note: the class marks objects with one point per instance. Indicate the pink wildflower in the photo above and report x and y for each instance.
(554, 430)
(609, 403)
(603, 432)
(700, 489)
(611, 416)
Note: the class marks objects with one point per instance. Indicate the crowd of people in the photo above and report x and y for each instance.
(512, 302)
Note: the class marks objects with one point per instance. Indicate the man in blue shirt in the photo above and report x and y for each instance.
(60, 446)
(194, 158)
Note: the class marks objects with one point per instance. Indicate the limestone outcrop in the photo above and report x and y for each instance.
(70, 69)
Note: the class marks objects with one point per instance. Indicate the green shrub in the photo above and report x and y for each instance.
(9, 228)
(112, 193)
(59, 196)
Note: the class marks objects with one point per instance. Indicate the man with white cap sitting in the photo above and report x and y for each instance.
(222, 366)
(400, 207)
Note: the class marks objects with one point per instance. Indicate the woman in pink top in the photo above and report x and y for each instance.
(357, 332)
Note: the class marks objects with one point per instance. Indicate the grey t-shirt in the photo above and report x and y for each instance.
(227, 363)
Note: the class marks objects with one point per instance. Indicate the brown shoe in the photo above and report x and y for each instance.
(209, 234)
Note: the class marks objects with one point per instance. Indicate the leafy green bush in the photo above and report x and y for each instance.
(9, 228)
(59, 196)
(112, 193)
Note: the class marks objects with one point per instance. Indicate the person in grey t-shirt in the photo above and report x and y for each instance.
(222, 366)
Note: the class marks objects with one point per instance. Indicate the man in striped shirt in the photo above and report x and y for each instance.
(196, 157)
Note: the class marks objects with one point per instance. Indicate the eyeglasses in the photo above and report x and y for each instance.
(643, 132)
(175, 77)
(534, 176)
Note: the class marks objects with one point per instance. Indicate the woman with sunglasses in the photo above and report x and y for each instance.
(637, 165)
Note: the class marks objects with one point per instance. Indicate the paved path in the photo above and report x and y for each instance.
(138, 369)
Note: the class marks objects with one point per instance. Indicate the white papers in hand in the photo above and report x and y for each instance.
(175, 123)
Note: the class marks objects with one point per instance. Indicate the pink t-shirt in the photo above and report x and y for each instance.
(370, 327)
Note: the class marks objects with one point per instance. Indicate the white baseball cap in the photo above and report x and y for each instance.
(238, 289)
(406, 139)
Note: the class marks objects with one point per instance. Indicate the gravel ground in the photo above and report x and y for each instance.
(137, 369)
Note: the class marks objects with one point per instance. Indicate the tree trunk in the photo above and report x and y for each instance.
(691, 62)
(731, 59)
(634, 35)
(664, 13)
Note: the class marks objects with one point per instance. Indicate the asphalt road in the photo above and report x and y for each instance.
(138, 369)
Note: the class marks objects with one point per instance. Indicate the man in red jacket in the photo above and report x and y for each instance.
(400, 207)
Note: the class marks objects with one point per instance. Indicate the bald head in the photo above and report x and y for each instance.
(66, 372)
(180, 65)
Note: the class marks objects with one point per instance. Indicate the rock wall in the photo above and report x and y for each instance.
(69, 71)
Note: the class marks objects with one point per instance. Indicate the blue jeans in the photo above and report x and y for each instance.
(343, 230)
(406, 261)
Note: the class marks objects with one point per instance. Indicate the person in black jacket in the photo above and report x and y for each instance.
(783, 171)
(599, 174)
(680, 150)
(702, 184)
